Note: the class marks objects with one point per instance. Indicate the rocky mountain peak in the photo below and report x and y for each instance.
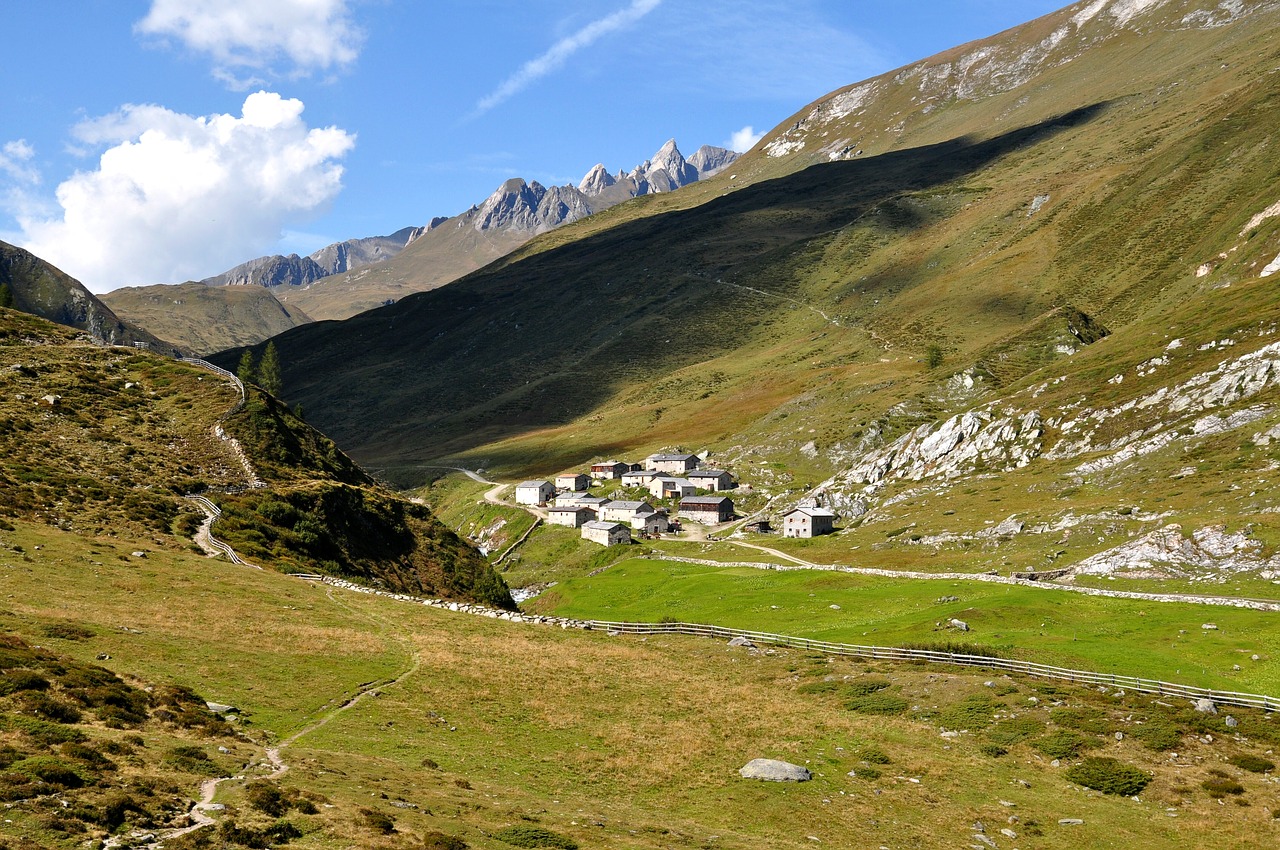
(596, 181)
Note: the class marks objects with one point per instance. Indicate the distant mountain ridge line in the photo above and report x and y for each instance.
(517, 208)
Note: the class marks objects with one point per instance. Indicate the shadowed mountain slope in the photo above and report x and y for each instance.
(700, 318)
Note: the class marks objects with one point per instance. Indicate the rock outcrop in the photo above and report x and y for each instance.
(773, 770)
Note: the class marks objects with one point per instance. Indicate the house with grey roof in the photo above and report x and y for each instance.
(711, 479)
(534, 492)
(639, 478)
(708, 510)
(808, 521)
(674, 464)
(608, 469)
(664, 487)
(571, 517)
(606, 533)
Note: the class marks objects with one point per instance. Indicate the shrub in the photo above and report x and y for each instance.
(67, 631)
(863, 687)
(877, 703)
(50, 708)
(266, 798)
(1109, 776)
(1220, 786)
(49, 770)
(972, 712)
(1061, 745)
(993, 750)
(1092, 720)
(1252, 763)
(191, 760)
(1158, 736)
(378, 821)
(874, 755)
(442, 841)
(16, 681)
(534, 837)
(822, 687)
(1014, 730)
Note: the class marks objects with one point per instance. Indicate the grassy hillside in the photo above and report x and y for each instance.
(33, 286)
(1085, 189)
(205, 319)
(479, 726)
(107, 440)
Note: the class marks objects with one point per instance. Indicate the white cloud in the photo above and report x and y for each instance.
(559, 53)
(744, 140)
(312, 35)
(177, 196)
(15, 161)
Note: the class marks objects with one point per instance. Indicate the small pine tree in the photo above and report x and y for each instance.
(269, 370)
(6, 295)
(933, 356)
(247, 372)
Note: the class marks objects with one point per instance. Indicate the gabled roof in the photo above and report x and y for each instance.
(810, 511)
(671, 457)
(706, 473)
(610, 463)
(569, 509)
(601, 525)
(630, 506)
(592, 500)
(523, 484)
(703, 500)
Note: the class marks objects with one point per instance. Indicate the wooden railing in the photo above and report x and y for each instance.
(1026, 668)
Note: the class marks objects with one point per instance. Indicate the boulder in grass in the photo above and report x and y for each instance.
(741, 641)
(772, 770)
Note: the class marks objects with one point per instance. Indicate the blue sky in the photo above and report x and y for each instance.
(149, 141)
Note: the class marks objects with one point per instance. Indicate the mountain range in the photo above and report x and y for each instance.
(447, 248)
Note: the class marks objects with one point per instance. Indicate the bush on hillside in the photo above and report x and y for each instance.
(878, 703)
(1109, 776)
(1061, 745)
(534, 837)
(1252, 763)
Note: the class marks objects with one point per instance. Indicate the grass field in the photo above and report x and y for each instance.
(1154, 640)
(611, 742)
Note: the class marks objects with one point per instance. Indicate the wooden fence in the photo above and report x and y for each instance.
(1008, 665)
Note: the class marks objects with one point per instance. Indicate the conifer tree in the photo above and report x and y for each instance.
(269, 370)
(247, 372)
(6, 295)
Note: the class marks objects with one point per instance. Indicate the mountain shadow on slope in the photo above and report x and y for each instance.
(541, 340)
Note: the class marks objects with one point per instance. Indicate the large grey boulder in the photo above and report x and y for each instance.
(1204, 705)
(772, 770)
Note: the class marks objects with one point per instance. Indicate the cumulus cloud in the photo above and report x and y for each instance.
(177, 197)
(562, 50)
(744, 140)
(312, 35)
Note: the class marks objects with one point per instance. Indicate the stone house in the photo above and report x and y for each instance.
(572, 481)
(639, 478)
(708, 510)
(711, 479)
(664, 486)
(534, 492)
(808, 522)
(596, 503)
(654, 523)
(626, 511)
(675, 464)
(572, 517)
(606, 533)
(609, 469)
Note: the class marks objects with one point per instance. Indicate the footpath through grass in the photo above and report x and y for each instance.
(1154, 640)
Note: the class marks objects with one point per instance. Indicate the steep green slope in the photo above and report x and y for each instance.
(1083, 188)
(106, 441)
(205, 319)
